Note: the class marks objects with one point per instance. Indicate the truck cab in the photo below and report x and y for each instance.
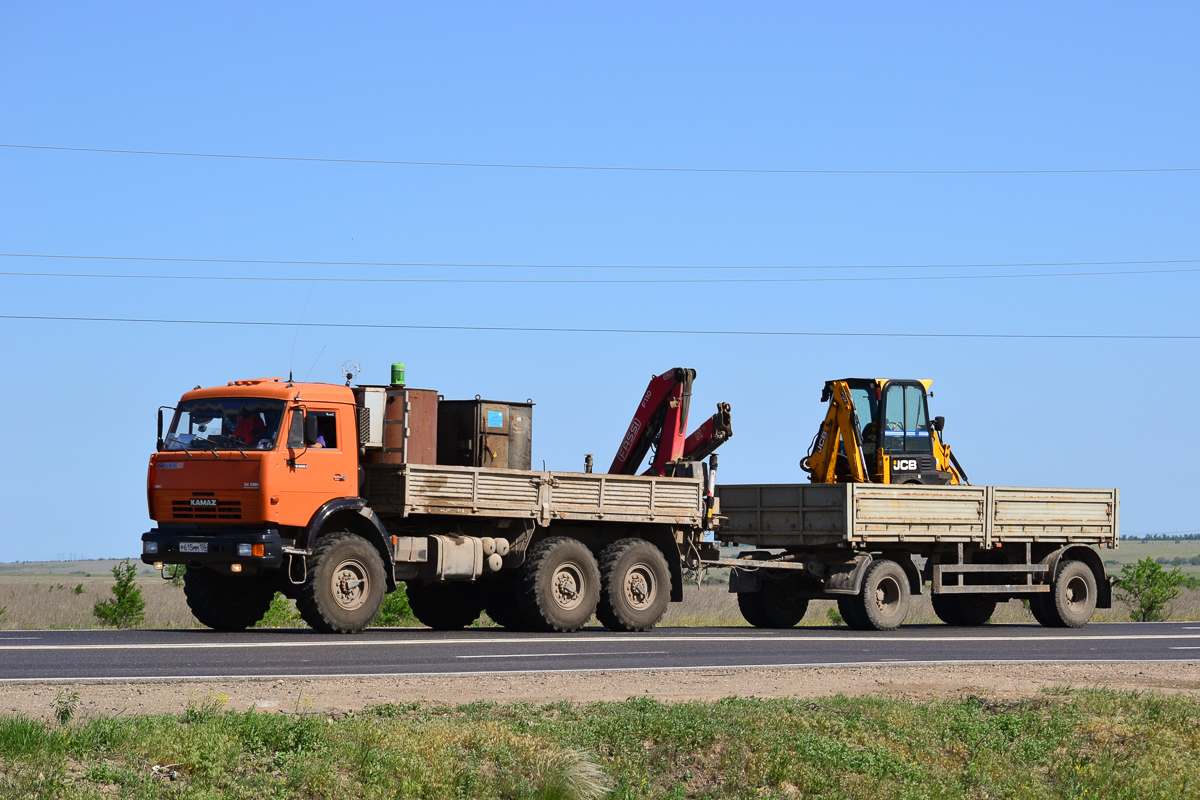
(256, 459)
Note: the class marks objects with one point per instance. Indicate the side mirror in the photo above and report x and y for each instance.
(295, 440)
(161, 444)
(939, 423)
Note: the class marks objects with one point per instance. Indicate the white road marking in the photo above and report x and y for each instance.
(14, 638)
(562, 655)
(1185, 648)
(337, 641)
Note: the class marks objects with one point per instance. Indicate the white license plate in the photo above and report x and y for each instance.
(193, 547)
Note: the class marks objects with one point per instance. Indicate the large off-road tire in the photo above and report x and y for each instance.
(883, 603)
(635, 586)
(345, 585)
(848, 607)
(963, 609)
(559, 585)
(449, 606)
(226, 602)
(500, 601)
(1073, 595)
(776, 605)
(1040, 605)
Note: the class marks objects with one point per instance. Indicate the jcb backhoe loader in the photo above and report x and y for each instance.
(878, 431)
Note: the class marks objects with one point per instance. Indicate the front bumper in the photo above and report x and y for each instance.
(211, 549)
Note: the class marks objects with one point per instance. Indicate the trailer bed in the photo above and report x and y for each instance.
(862, 516)
(419, 489)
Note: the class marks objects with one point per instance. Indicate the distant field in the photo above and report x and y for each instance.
(60, 594)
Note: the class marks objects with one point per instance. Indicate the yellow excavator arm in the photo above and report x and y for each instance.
(839, 432)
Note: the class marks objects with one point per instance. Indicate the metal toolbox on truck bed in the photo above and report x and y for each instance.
(814, 515)
(409, 489)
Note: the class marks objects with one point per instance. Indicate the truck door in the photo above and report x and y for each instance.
(319, 462)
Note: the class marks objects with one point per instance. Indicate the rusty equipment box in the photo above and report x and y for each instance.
(484, 433)
(397, 425)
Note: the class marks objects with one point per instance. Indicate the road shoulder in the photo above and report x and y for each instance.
(1006, 680)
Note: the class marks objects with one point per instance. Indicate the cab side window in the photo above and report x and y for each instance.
(322, 429)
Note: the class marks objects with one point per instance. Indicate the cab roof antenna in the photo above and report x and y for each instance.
(351, 370)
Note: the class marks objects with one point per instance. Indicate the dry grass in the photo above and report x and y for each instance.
(50, 601)
(47, 601)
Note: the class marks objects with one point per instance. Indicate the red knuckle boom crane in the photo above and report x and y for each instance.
(661, 422)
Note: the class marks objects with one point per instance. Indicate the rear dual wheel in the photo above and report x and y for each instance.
(635, 585)
(559, 585)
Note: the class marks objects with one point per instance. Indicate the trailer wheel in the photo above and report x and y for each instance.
(635, 586)
(345, 584)
(776, 605)
(1040, 607)
(963, 609)
(445, 606)
(848, 607)
(559, 585)
(1073, 595)
(223, 602)
(883, 603)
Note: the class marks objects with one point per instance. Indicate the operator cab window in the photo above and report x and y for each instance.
(865, 406)
(906, 427)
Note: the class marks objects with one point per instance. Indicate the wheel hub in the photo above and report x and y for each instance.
(640, 588)
(350, 585)
(567, 586)
(887, 597)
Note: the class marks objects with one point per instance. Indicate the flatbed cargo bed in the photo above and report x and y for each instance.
(543, 496)
(866, 516)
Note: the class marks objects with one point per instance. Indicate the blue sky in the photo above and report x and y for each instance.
(759, 86)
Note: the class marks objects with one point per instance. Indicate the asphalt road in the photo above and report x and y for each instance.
(84, 655)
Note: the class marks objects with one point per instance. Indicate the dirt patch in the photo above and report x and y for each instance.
(915, 682)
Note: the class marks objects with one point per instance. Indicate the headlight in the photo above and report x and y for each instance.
(244, 550)
(149, 547)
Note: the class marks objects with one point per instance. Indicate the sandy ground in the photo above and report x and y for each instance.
(332, 695)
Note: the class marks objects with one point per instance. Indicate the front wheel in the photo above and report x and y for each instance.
(635, 586)
(345, 585)
(445, 606)
(225, 602)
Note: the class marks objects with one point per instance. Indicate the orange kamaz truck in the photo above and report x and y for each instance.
(334, 495)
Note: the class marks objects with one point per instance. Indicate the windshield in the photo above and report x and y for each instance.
(226, 424)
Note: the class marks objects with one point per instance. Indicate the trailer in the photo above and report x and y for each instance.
(858, 544)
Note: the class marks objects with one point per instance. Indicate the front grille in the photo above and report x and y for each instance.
(224, 509)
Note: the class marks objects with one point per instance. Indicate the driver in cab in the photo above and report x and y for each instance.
(250, 427)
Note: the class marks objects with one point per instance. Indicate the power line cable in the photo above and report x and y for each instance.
(601, 168)
(682, 332)
(515, 265)
(599, 281)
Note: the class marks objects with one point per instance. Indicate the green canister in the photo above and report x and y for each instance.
(397, 374)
